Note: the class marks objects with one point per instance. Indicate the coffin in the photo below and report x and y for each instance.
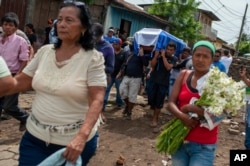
(156, 39)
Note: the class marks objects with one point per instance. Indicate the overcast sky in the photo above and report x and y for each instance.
(231, 14)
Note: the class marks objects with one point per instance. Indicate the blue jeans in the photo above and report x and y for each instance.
(33, 150)
(171, 84)
(194, 154)
(119, 100)
(10, 105)
(247, 130)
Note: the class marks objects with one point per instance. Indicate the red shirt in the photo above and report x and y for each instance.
(198, 134)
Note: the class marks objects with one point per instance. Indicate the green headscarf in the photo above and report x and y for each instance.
(206, 44)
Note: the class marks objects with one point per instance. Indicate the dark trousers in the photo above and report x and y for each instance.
(10, 105)
(33, 150)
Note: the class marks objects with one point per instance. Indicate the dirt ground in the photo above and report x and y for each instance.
(133, 139)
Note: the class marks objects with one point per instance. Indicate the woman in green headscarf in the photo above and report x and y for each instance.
(200, 144)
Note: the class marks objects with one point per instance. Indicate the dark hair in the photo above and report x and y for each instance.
(31, 27)
(55, 28)
(172, 44)
(97, 29)
(50, 21)
(226, 52)
(10, 17)
(218, 51)
(86, 40)
(187, 49)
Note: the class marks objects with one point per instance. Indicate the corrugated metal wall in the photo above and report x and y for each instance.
(17, 6)
(138, 21)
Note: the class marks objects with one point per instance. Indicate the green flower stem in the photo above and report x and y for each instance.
(171, 137)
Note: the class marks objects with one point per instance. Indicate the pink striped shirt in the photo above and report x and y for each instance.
(14, 51)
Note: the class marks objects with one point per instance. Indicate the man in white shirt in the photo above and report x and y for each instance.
(226, 59)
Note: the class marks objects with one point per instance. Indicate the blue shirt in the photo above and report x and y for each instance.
(109, 39)
(220, 65)
(108, 53)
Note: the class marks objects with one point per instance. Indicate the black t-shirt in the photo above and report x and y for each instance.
(32, 38)
(47, 30)
(160, 74)
(134, 67)
(182, 64)
(119, 60)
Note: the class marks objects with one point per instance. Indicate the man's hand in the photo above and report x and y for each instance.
(141, 51)
(242, 72)
(163, 51)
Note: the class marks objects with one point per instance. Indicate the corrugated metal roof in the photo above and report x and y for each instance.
(125, 5)
(141, 2)
(210, 14)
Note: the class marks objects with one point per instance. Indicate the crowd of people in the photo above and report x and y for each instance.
(73, 73)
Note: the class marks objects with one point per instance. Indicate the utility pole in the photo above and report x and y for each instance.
(241, 28)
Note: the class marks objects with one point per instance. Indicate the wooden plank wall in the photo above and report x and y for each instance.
(44, 9)
(16, 6)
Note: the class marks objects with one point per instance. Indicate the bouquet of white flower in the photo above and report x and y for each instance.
(220, 95)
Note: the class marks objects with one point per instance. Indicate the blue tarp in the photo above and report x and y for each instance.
(157, 38)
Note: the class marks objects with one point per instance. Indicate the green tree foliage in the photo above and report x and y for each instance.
(244, 44)
(181, 17)
(245, 37)
(244, 47)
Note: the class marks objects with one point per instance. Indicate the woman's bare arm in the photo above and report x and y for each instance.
(19, 83)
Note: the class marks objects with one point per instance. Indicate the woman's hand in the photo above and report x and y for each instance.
(188, 121)
(190, 108)
(74, 149)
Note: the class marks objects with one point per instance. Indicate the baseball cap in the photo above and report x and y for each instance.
(117, 41)
(111, 30)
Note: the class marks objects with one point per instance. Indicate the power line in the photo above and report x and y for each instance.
(230, 11)
(234, 38)
(225, 29)
(226, 26)
(218, 8)
(225, 7)
(222, 16)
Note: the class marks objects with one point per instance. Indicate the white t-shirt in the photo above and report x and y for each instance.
(4, 70)
(226, 62)
(62, 92)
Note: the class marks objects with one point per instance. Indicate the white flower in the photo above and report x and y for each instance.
(220, 93)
